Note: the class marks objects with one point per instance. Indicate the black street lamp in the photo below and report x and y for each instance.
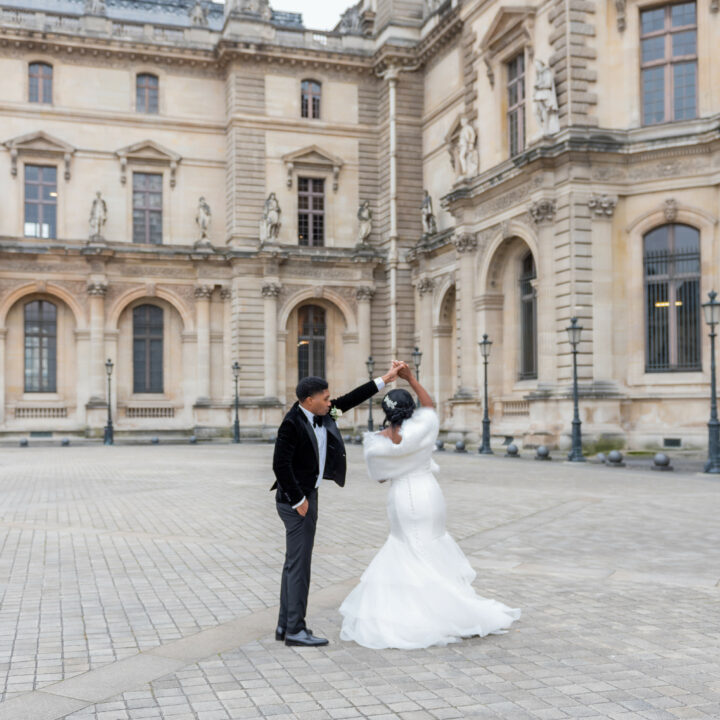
(236, 424)
(417, 357)
(108, 438)
(712, 317)
(370, 364)
(485, 448)
(574, 332)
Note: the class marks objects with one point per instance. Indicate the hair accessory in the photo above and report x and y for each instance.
(389, 402)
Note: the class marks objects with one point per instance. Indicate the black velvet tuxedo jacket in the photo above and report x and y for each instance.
(296, 462)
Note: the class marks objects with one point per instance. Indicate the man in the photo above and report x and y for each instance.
(308, 449)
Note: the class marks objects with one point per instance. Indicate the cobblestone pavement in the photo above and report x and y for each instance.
(141, 582)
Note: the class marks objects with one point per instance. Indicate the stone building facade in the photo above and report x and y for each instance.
(187, 185)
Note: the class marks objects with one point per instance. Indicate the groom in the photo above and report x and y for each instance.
(308, 449)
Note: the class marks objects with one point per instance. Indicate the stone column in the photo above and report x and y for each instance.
(424, 323)
(466, 245)
(270, 293)
(97, 379)
(364, 297)
(227, 376)
(202, 309)
(3, 374)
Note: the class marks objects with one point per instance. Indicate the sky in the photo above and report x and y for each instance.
(317, 14)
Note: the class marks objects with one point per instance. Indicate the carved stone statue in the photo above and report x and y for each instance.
(467, 150)
(198, 15)
(95, 7)
(203, 217)
(545, 99)
(98, 216)
(270, 223)
(365, 217)
(350, 23)
(251, 7)
(428, 217)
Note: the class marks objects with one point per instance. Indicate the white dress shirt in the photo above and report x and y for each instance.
(321, 437)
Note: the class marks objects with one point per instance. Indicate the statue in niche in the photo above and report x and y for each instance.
(428, 217)
(203, 217)
(270, 223)
(545, 99)
(467, 149)
(98, 216)
(365, 217)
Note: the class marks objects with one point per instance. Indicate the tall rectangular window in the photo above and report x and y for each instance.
(147, 349)
(311, 341)
(310, 93)
(311, 211)
(528, 319)
(147, 93)
(147, 208)
(40, 83)
(516, 104)
(668, 40)
(40, 346)
(40, 201)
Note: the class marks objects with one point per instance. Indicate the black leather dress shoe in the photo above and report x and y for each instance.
(304, 638)
(280, 633)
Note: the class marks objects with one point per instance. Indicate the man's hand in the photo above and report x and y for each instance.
(302, 509)
(392, 374)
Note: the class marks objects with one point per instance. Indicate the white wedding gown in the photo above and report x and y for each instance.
(417, 590)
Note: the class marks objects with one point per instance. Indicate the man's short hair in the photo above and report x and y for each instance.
(310, 386)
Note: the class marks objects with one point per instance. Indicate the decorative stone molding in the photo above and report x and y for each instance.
(542, 211)
(95, 7)
(425, 285)
(148, 152)
(97, 288)
(465, 243)
(512, 28)
(602, 206)
(40, 144)
(714, 6)
(364, 294)
(226, 293)
(271, 290)
(313, 158)
(203, 292)
(670, 209)
(620, 7)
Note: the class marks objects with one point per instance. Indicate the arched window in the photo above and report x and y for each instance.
(40, 77)
(40, 346)
(147, 349)
(147, 92)
(672, 298)
(311, 341)
(310, 92)
(528, 319)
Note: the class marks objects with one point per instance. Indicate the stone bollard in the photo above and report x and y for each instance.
(347, 439)
(193, 439)
(615, 459)
(65, 442)
(661, 462)
(155, 440)
(512, 451)
(24, 442)
(542, 453)
(440, 446)
(460, 446)
(601, 457)
(357, 439)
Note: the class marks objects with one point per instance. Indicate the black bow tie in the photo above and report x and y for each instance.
(318, 420)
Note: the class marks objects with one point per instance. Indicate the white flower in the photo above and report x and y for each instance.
(335, 413)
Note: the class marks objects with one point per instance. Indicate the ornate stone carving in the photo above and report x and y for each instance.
(465, 243)
(365, 218)
(203, 217)
(364, 294)
(270, 223)
(98, 216)
(350, 22)
(271, 290)
(249, 7)
(620, 6)
(198, 15)
(714, 6)
(428, 216)
(97, 288)
(226, 293)
(542, 211)
(425, 285)
(670, 209)
(545, 99)
(95, 7)
(602, 206)
(203, 292)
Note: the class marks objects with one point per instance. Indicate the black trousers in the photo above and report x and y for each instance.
(299, 540)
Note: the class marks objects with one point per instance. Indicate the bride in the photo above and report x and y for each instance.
(417, 590)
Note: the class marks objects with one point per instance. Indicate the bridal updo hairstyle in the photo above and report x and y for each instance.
(398, 406)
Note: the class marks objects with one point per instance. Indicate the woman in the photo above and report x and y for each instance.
(417, 590)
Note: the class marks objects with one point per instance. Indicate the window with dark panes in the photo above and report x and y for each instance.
(528, 319)
(40, 201)
(40, 77)
(516, 104)
(311, 341)
(311, 211)
(672, 298)
(147, 93)
(147, 349)
(147, 208)
(668, 41)
(310, 91)
(40, 346)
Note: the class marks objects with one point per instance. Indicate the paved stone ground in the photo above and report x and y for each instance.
(141, 582)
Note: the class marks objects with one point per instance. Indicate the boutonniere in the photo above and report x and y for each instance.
(335, 413)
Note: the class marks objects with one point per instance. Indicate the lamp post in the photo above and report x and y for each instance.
(712, 317)
(108, 438)
(485, 448)
(574, 332)
(417, 357)
(236, 424)
(370, 364)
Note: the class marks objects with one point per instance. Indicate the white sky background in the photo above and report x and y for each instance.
(317, 14)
